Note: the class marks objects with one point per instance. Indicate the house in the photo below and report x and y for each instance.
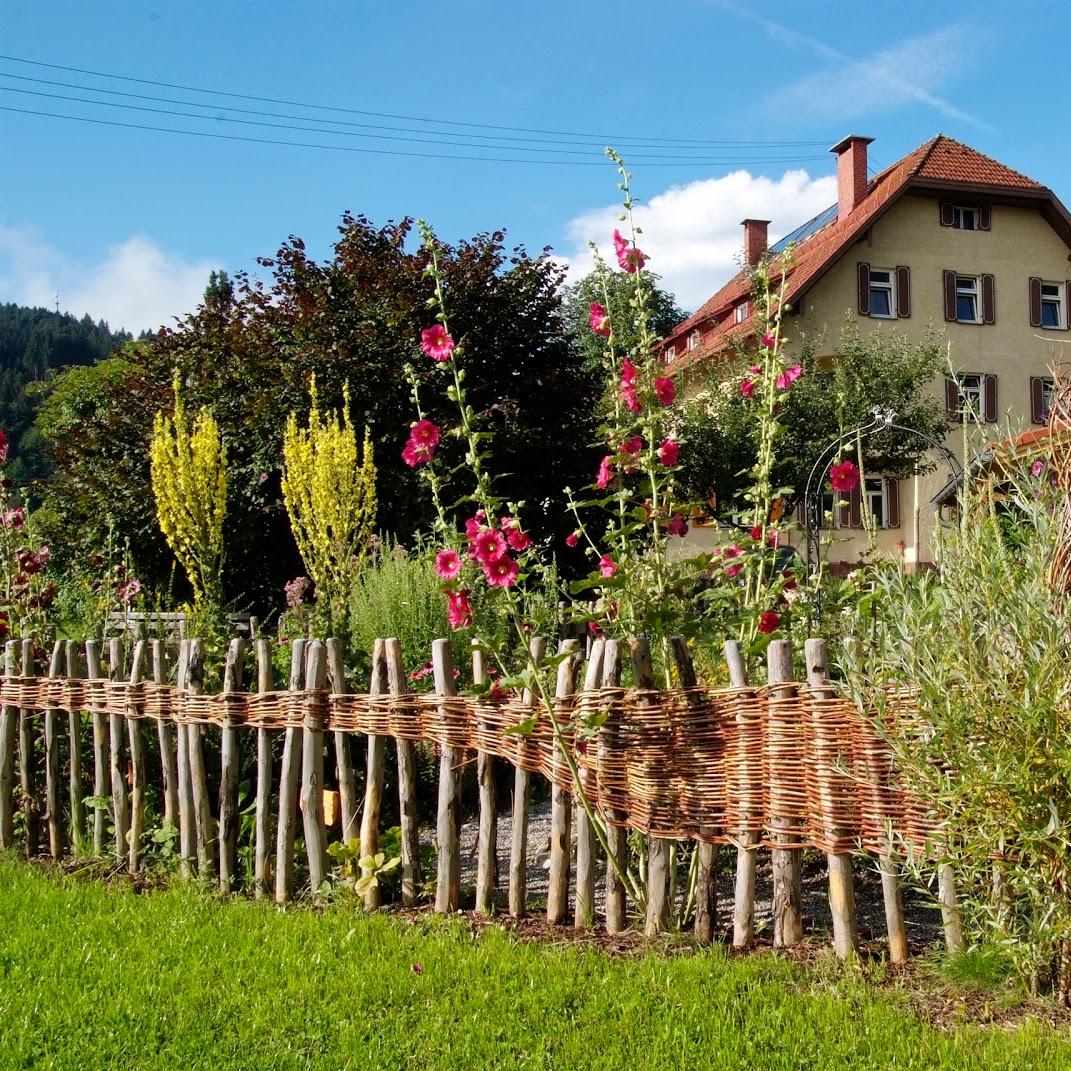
(945, 238)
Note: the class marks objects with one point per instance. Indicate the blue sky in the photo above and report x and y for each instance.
(125, 223)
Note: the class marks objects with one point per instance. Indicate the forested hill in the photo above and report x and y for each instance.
(34, 343)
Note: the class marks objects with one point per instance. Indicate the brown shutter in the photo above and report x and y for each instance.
(989, 300)
(989, 384)
(903, 291)
(1067, 305)
(864, 289)
(950, 296)
(985, 217)
(947, 216)
(892, 503)
(855, 507)
(1035, 301)
(1037, 399)
(952, 399)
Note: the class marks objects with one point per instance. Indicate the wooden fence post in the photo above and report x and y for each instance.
(616, 833)
(165, 737)
(202, 804)
(586, 844)
(31, 803)
(262, 820)
(230, 768)
(347, 775)
(522, 795)
(448, 826)
(487, 839)
(746, 854)
(9, 724)
(187, 820)
(137, 765)
(951, 917)
(53, 795)
(101, 762)
(375, 769)
(561, 800)
(312, 771)
(120, 813)
(407, 782)
(841, 885)
(787, 861)
(74, 732)
(289, 781)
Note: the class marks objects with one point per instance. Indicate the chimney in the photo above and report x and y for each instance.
(851, 172)
(755, 240)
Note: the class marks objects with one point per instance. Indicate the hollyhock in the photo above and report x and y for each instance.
(773, 539)
(129, 590)
(768, 341)
(572, 539)
(518, 540)
(632, 445)
(458, 608)
(607, 566)
(488, 546)
(769, 621)
(756, 533)
(677, 526)
(620, 244)
(790, 579)
(789, 376)
(599, 319)
(436, 343)
(447, 564)
(755, 369)
(844, 476)
(606, 472)
(474, 525)
(747, 387)
(631, 259)
(665, 391)
(669, 451)
(628, 385)
(426, 670)
(425, 433)
(501, 572)
(15, 517)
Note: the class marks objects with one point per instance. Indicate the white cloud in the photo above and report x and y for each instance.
(692, 233)
(136, 284)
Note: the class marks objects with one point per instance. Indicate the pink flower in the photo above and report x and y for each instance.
(129, 590)
(731, 551)
(518, 540)
(599, 319)
(628, 395)
(756, 533)
(632, 446)
(414, 455)
(15, 517)
(747, 387)
(844, 476)
(488, 546)
(629, 258)
(4, 443)
(436, 343)
(474, 524)
(669, 451)
(425, 433)
(790, 579)
(665, 391)
(755, 369)
(789, 376)
(677, 526)
(458, 608)
(620, 244)
(607, 566)
(447, 564)
(1035, 470)
(606, 472)
(768, 341)
(572, 539)
(768, 621)
(501, 572)
(773, 538)
(426, 670)
(733, 570)
(628, 371)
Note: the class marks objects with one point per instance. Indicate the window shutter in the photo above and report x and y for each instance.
(989, 383)
(1035, 301)
(1067, 305)
(989, 300)
(855, 508)
(950, 296)
(952, 399)
(892, 503)
(903, 291)
(947, 216)
(864, 289)
(1037, 399)
(985, 217)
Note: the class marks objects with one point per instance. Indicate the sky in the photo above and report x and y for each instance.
(722, 109)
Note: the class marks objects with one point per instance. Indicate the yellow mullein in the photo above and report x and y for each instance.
(329, 487)
(189, 482)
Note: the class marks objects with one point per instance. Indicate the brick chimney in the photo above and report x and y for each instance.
(851, 172)
(756, 240)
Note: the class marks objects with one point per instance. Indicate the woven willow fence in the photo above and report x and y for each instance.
(781, 767)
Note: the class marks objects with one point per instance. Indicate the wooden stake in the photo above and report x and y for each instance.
(746, 856)
(101, 763)
(841, 885)
(616, 833)
(312, 772)
(586, 844)
(407, 782)
(230, 769)
(951, 917)
(74, 732)
(347, 775)
(9, 721)
(165, 736)
(187, 819)
(787, 862)
(202, 805)
(120, 812)
(375, 767)
(31, 803)
(289, 780)
(53, 803)
(262, 821)
(447, 826)
(522, 795)
(561, 800)
(137, 766)
(487, 843)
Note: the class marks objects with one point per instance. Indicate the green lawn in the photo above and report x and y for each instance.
(95, 977)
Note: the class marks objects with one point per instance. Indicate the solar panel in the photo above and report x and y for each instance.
(802, 233)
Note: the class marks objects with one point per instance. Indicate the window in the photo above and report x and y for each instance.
(846, 511)
(967, 299)
(1046, 397)
(875, 499)
(671, 352)
(1052, 306)
(882, 302)
(970, 299)
(972, 396)
(693, 340)
(1041, 389)
(740, 313)
(964, 218)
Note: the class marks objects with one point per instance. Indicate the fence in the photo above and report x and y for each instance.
(780, 767)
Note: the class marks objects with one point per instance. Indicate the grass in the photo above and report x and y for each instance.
(96, 976)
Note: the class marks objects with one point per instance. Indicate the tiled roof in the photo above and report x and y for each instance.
(939, 160)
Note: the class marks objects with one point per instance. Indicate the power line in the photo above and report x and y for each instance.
(405, 118)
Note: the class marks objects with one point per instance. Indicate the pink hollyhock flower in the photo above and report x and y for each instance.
(755, 369)
(436, 343)
(414, 455)
(501, 572)
(447, 564)
(768, 341)
(506, 522)
(669, 451)
(732, 551)
(747, 387)
(844, 476)
(677, 526)
(756, 533)
(474, 525)
(1035, 470)
(15, 517)
(629, 371)
(790, 579)
(518, 540)
(632, 446)
(599, 319)
(665, 390)
(773, 538)
(628, 395)
(426, 670)
(425, 433)
(733, 570)
(769, 621)
(606, 472)
(572, 539)
(489, 546)
(458, 608)
(607, 566)
(789, 376)
(620, 244)
(129, 590)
